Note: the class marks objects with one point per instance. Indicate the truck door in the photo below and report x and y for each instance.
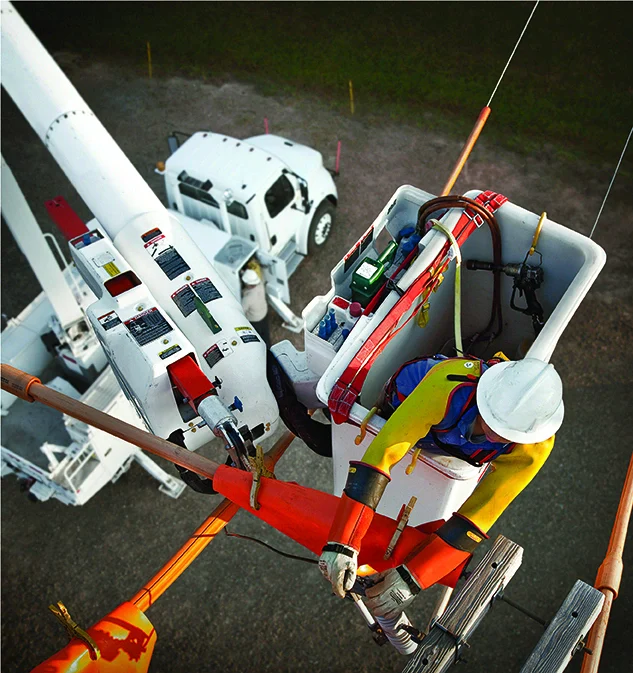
(239, 219)
(281, 218)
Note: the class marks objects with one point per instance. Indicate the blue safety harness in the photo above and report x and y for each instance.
(453, 433)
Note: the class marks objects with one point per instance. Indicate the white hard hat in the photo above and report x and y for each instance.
(250, 277)
(521, 401)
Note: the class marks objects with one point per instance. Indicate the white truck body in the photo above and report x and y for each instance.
(54, 455)
(263, 193)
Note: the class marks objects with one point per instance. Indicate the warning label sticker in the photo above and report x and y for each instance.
(150, 235)
(109, 320)
(172, 264)
(206, 290)
(247, 334)
(213, 355)
(164, 254)
(148, 326)
(184, 298)
(163, 355)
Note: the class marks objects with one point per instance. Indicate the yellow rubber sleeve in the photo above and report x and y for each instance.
(411, 421)
(509, 475)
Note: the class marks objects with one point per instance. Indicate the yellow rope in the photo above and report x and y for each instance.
(458, 284)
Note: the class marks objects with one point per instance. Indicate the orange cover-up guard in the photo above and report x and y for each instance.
(125, 639)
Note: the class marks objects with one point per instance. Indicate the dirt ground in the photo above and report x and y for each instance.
(237, 608)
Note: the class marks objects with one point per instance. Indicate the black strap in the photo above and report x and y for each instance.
(408, 578)
(339, 549)
(453, 450)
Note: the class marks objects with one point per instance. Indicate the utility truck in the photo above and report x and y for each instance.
(265, 198)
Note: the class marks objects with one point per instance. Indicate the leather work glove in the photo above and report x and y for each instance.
(354, 514)
(338, 565)
(392, 593)
(452, 544)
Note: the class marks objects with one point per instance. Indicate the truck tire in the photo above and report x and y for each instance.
(321, 226)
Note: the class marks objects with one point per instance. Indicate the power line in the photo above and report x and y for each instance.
(626, 144)
(512, 54)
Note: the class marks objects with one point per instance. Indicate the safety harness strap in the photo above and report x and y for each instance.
(346, 390)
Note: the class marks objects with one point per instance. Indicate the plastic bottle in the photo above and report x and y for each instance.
(332, 324)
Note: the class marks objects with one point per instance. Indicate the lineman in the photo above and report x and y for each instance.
(254, 303)
(505, 414)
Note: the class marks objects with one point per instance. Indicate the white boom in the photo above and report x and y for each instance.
(149, 239)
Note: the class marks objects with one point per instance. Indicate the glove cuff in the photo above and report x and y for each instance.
(340, 549)
(461, 533)
(365, 484)
(404, 573)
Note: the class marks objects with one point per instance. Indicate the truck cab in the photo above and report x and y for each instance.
(270, 197)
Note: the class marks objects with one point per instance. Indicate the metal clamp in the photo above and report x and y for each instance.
(259, 470)
(74, 630)
(403, 519)
(460, 643)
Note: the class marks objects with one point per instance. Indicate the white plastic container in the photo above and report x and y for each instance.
(440, 483)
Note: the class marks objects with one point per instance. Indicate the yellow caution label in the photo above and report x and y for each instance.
(111, 269)
(473, 536)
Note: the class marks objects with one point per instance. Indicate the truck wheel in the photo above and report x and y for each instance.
(321, 226)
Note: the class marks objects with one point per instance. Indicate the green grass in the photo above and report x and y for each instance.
(569, 84)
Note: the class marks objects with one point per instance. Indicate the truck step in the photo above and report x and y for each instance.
(566, 631)
(291, 257)
(440, 649)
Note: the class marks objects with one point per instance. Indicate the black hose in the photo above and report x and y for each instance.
(317, 436)
(193, 480)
